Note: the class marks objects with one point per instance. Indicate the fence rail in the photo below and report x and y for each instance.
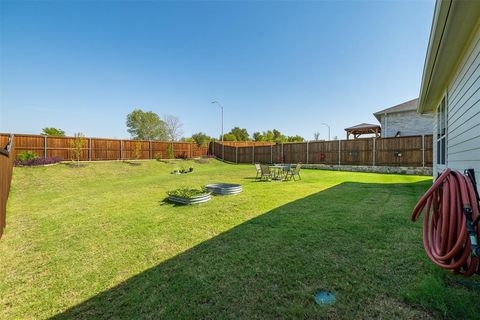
(101, 148)
(246, 143)
(409, 151)
(6, 167)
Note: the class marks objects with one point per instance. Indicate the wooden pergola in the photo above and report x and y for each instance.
(363, 128)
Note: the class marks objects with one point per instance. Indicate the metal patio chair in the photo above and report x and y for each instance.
(266, 173)
(294, 172)
(259, 171)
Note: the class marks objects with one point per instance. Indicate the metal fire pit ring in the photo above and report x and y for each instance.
(224, 189)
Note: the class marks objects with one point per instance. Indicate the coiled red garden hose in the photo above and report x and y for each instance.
(450, 225)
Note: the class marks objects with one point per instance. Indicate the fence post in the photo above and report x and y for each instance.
(44, 147)
(121, 149)
(339, 152)
(307, 151)
(374, 151)
(271, 153)
(190, 150)
(89, 149)
(281, 154)
(236, 155)
(423, 150)
(150, 149)
(253, 153)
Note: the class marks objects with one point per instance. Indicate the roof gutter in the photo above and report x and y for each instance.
(453, 24)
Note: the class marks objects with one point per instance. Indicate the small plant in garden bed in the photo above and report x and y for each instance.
(188, 193)
(182, 170)
(27, 156)
(37, 162)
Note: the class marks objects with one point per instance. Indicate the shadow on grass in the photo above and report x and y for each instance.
(353, 239)
(132, 163)
(74, 164)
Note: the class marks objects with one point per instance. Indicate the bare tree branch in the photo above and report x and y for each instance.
(174, 126)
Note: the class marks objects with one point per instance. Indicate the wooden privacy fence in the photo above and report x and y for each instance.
(101, 148)
(6, 167)
(411, 151)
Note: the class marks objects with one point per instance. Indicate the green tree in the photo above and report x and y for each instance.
(51, 131)
(241, 134)
(270, 136)
(278, 136)
(295, 138)
(146, 126)
(229, 137)
(201, 139)
(258, 136)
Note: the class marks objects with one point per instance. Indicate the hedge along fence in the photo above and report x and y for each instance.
(100, 148)
(247, 143)
(410, 151)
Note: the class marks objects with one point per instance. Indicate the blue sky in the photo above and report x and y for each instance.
(83, 67)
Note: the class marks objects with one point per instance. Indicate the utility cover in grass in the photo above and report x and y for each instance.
(325, 298)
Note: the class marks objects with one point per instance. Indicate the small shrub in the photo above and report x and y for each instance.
(77, 147)
(27, 156)
(187, 193)
(184, 169)
(170, 154)
(137, 150)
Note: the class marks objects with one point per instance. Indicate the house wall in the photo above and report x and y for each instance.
(463, 114)
(409, 123)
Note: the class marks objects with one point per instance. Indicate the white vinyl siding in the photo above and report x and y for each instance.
(463, 114)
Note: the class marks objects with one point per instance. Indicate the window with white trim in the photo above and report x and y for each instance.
(441, 132)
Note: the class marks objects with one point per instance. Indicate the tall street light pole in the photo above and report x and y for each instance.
(223, 147)
(328, 130)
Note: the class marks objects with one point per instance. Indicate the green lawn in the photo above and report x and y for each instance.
(99, 242)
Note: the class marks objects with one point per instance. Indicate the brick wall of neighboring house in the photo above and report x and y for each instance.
(408, 123)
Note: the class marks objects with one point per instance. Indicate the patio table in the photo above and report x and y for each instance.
(278, 170)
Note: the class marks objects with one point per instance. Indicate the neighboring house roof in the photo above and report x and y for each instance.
(410, 105)
(454, 23)
(363, 126)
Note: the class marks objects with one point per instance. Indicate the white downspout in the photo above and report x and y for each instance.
(385, 117)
